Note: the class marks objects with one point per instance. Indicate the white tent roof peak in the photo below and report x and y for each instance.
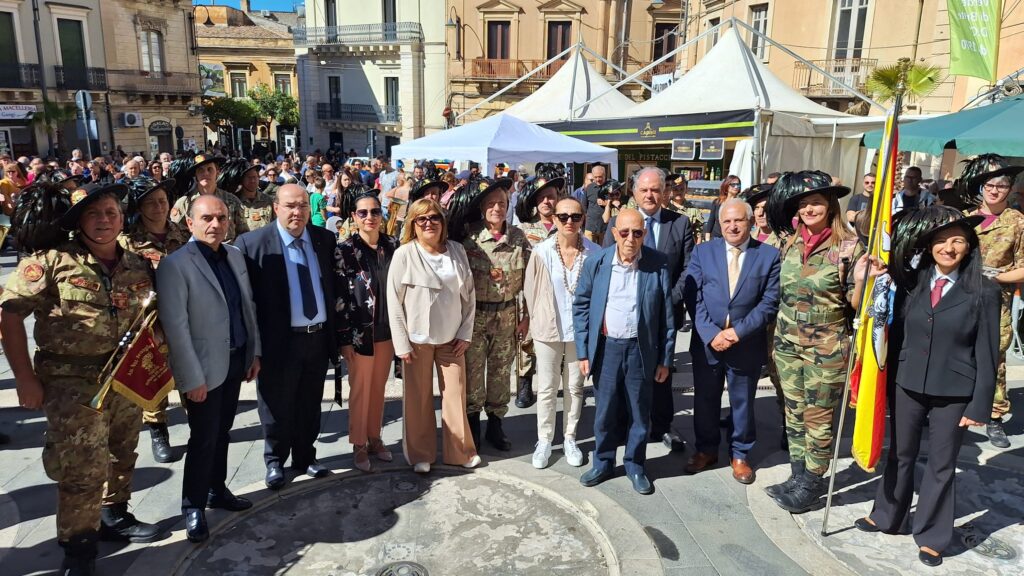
(729, 77)
(552, 102)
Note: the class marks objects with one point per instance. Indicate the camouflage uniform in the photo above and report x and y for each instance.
(257, 212)
(80, 315)
(236, 221)
(693, 213)
(498, 269)
(138, 240)
(812, 344)
(1002, 248)
(776, 241)
(535, 233)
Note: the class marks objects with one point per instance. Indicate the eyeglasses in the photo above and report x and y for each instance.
(364, 213)
(421, 221)
(563, 218)
(997, 187)
(734, 184)
(637, 234)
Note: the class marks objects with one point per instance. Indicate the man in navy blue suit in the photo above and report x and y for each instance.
(625, 335)
(732, 292)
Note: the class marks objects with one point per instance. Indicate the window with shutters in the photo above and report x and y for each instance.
(152, 51)
(559, 37)
(759, 22)
(498, 32)
(238, 85)
(851, 18)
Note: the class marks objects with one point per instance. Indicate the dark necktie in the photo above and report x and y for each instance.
(305, 281)
(940, 283)
(649, 240)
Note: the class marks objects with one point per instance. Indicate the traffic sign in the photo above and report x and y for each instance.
(83, 100)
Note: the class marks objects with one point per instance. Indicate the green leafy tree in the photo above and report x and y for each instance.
(224, 110)
(921, 81)
(273, 105)
(52, 117)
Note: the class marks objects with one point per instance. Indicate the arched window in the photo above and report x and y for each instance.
(152, 51)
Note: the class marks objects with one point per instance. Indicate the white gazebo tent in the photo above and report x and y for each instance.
(503, 138)
(576, 82)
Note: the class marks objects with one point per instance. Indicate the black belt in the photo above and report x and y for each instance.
(494, 306)
(73, 359)
(311, 329)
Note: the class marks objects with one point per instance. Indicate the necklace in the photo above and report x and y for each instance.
(571, 289)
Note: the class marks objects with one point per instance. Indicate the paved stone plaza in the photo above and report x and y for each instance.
(506, 517)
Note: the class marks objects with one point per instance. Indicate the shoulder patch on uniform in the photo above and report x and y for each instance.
(82, 282)
(33, 272)
(140, 286)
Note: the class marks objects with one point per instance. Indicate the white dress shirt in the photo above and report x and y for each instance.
(620, 313)
(742, 255)
(292, 258)
(655, 224)
(951, 278)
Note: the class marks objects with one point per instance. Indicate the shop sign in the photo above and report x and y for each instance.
(160, 128)
(712, 148)
(683, 149)
(17, 111)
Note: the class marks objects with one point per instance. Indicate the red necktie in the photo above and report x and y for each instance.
(940, 283)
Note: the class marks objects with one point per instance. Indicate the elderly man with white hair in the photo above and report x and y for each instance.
(671, 234)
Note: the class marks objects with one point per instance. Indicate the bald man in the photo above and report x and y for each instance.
(625, 337)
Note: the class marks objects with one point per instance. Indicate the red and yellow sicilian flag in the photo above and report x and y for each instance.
(867, 382)
(143, 375)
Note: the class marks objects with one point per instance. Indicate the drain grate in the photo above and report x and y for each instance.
(402, 569)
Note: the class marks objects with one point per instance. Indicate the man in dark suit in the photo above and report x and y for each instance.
(732, 291)
(671, 234)
(291, 266)
(625, 335)
(209, 320)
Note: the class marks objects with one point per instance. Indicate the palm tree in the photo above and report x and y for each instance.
(920, 81)
(52, 117)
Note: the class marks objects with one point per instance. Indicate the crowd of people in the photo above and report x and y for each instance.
(274, 272)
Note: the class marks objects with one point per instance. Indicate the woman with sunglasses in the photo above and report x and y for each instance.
(730, 188)
(156, 171)
(550, 286)
(362, 264)
(432, 306)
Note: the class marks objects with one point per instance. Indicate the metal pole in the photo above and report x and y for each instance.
(42, 72)
(616, 68)
(572, 85)
(757, 146)
(517, 82)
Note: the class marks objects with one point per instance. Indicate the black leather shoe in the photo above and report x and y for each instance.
(495, 436)
(317, 470)
(996, 435)
(863, 525)
(79, 555)
(228, 501)
(640, 483)
(673, 442)
(929, 560)
(160, 441)
(524, 395)
(593, 477)
(117, 524)
(275, 476)
(195, 525)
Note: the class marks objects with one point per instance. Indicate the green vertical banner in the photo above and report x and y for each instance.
(974, 37)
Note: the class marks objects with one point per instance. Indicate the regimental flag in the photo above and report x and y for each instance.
(867, 381)
(142, 375)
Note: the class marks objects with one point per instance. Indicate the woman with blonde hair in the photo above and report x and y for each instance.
(432, 306)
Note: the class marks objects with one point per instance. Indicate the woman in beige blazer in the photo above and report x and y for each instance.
(432, 306)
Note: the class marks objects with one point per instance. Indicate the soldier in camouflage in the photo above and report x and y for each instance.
(84, 295)
(243, 180)
(205, 171)
(498, 254)
(678, 203)
(811, 342)
(152, 235)
(536, 212)
(1001, 237)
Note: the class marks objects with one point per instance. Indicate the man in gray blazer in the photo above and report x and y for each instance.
(209, 320)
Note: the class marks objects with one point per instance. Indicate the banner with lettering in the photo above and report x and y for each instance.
(974, 37)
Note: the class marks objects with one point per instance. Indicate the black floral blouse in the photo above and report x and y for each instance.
(361, 303)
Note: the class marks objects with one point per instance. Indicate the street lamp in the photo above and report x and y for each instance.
(455, 24)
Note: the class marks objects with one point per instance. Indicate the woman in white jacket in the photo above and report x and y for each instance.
(550, 285)
(432, 305)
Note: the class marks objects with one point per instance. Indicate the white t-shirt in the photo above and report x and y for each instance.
(563, 300)
(448, 303)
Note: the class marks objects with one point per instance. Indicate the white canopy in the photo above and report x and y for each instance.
(503, 138)
(554, 100)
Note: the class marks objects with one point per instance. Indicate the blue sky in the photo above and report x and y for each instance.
(284, 5)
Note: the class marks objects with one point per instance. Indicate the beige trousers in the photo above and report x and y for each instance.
(557, 366)
(367, 376)
(419, 423)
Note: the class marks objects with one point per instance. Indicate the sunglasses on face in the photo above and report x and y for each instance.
(637, 234)
(563, 218)
(734, 184)
(365, 213)
(432, 218)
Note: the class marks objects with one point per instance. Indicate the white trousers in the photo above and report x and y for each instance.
(557, 366)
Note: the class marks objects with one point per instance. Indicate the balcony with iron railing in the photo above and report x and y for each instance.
(504, 69)
(19, 76)
(852, 71)
(72, 78)
(666, 67)
(153, 83)
(379, 33)
(362, 113)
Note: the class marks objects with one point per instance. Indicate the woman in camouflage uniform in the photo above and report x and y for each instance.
(811, 342)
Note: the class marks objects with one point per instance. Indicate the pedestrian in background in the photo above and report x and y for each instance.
(730, 188)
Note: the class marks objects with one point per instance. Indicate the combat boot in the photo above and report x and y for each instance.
(806, 493)
(797, 470)
(474, 428)
(524, 396)
(495, 435)
(161, 441)
(117, 524)
(79, 555)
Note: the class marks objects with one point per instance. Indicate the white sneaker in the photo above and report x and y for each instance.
(421, 468)
(573, 455)
(473, 462)
(541, 454)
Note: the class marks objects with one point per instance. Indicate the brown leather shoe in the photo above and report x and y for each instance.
(742, 471)
(700, 462)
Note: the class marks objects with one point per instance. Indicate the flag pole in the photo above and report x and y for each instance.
(851, 359)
